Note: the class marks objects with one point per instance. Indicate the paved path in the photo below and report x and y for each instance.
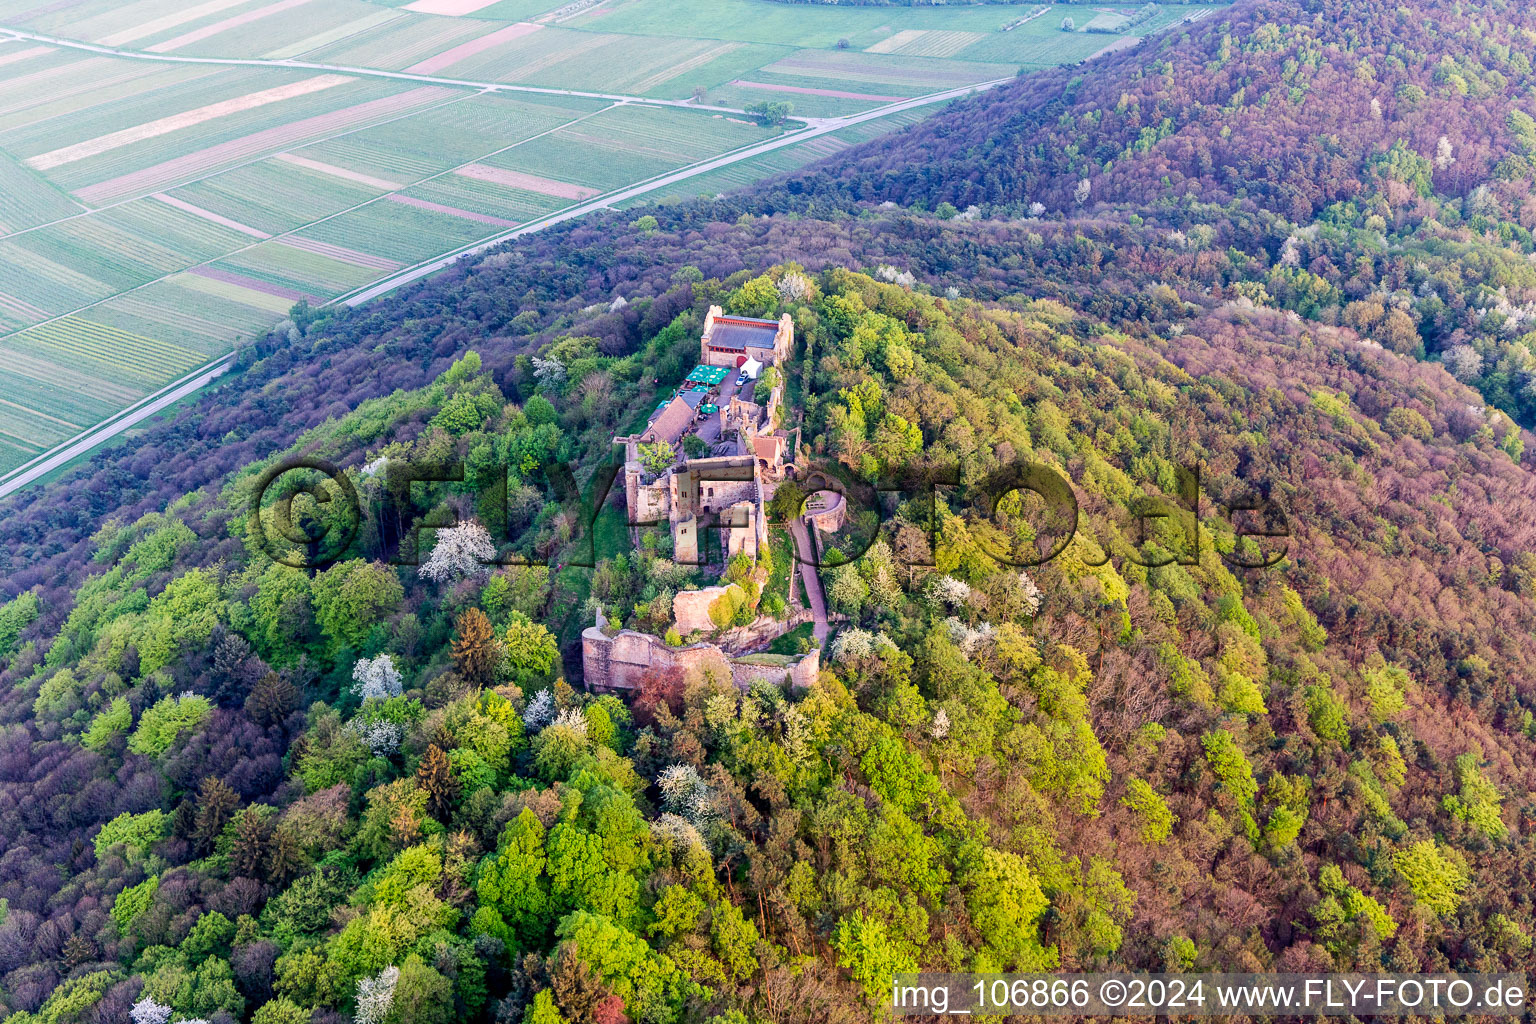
(809, 577)
(348, 69)
(466, 83)
(814, 128)
(81, 443)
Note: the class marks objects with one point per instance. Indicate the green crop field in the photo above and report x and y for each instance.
(297, 269)
(397, 44)
(486, 198)
(271, 197)
(781, 161)
(155, 208)
(400, 232)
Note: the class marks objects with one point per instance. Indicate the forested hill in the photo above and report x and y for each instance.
(287, 797)
(1360, 163)
(1282, 105)
(233, 790)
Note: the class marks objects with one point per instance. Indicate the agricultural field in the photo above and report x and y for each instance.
(780, 161)
(156, 208)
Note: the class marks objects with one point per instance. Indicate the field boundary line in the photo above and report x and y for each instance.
(98, 434)
(86, 211)
(407, 76)
(822, 126)
(102, 432)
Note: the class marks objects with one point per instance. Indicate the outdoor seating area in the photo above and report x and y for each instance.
(709, 376)
(689, 408)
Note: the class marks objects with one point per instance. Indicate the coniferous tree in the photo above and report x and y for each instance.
(216, 803)
(250, 846)
(436, 776)
(474, 649)
(272, 700)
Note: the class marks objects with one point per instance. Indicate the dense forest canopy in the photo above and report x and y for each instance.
(234, 790)
(1361, 164)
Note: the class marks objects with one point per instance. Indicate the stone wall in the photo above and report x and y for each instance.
(743, 639)
(618, 662)
(797, 675)
(716, 484)
(832, 519)
(691, 609)
(647, 502)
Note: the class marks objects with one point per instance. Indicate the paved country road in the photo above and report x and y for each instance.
(349, 69)
(814, 128)
(83, 442)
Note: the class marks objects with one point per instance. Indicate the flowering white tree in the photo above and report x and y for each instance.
(1464, 362)
(852, 643)
(1081, 192)
(147, 1011)
(1032, 593)
(685, 793)
(940, 727)
(1444, 155)
(1037, 209)
(381, 738)
(1481, 202)
(679, 785)
(969, 639)
(376, 996)
(1290, 253)
(794, 286)
(550, 373)
(461, 552)
(572, 719)
(676, 831)
(540, 711)
(950, 591)
(376, 677)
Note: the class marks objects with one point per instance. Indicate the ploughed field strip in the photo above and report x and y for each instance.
(131, 255)
(155, 211)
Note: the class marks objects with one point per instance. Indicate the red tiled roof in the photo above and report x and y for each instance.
(750, 321)
(767, 446)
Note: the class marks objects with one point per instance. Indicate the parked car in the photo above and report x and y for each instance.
(741, 379)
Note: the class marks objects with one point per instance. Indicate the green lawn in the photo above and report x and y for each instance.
(783, 562)
(574, 582)
(790, 642)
